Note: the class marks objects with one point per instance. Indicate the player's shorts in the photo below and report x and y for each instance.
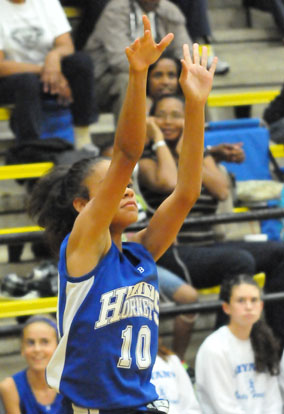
(155, 407)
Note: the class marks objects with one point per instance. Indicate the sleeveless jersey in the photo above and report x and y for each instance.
(108, 325)
(28, 402)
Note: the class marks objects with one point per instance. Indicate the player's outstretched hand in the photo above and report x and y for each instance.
(195, 79)
(145, 51)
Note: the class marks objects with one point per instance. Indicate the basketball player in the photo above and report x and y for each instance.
(108, 291)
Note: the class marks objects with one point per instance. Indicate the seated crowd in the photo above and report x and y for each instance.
(238, 367)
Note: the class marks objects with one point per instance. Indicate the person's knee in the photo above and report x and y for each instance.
(80, 63)
(241, 262)
(185, 294)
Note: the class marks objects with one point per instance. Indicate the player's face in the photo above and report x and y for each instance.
(169, 115)
(245, 305)
(163, 78)
(39, 342)
(127, 211)
(148, 5)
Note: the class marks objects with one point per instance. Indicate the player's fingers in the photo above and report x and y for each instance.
(165, 42)
(146, 23)
(204, 56)
(184, 71)
(213, 65)
(196, 57)
(186, 54)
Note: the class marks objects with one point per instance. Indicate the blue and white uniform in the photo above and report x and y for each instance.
(28, 402)
(108, 326)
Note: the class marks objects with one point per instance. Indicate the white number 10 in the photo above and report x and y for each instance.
(142, 352)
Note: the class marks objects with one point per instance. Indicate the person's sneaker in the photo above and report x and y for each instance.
(90, 150)
(222, 67)
(16, 287)
(43, 279)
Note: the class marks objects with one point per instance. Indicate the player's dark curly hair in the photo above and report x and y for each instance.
(51, 201)
(265, 346)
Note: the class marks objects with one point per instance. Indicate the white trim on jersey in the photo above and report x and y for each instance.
(75, 296)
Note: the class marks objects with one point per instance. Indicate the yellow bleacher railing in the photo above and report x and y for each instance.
(14, 308)
(214, 100)
(241, 98)
(72, 12)
(33, 170)
(259, 278)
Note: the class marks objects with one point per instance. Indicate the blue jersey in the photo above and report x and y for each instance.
(28, 402)
(108, 324)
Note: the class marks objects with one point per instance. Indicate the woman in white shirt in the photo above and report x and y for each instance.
(237, 365)
(37, 61)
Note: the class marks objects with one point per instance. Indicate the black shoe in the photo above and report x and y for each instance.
(43, 279)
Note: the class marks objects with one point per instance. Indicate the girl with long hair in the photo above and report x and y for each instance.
(237, 365)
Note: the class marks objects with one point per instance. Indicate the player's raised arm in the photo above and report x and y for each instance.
(196, 82)
(91, 230)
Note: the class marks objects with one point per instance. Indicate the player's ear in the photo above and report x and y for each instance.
(79, 203)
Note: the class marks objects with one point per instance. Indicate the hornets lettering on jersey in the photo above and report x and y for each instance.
(141, 299)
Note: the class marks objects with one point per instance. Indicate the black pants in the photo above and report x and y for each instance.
(197, 20)
(209, 266)
(91, 11)
(25, 91)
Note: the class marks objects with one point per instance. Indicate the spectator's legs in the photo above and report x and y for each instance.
(24, 91)
(79, 71)
(197, 20)
(277, 10)
(209, 266)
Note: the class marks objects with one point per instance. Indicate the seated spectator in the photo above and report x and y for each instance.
(163, 78)
(237, 365)
(275, 7)
(27, 392)
(173, 383)
(37, 62)
(198, 26)
(118, 25)
(208, 260)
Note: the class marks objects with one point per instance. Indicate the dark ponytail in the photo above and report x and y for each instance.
(265, 346)
(51, 201)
